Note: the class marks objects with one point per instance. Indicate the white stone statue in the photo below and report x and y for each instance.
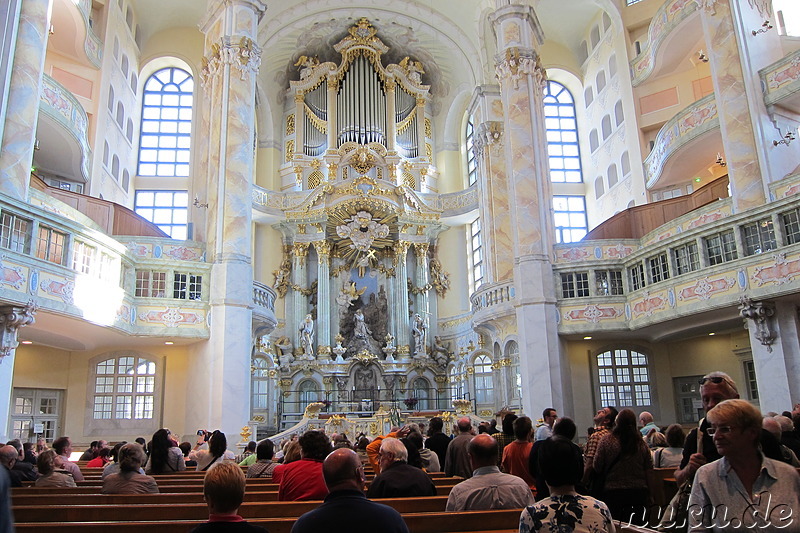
(307, 336)
(419, 329)
(360, 329)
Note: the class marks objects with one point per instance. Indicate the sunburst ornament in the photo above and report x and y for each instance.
(362, 230)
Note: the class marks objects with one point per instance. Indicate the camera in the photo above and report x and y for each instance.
(204, 433)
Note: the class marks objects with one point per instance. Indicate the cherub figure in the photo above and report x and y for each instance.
(307, 64)
(413, 69)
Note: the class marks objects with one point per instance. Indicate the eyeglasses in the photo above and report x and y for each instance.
(723, 430)
(714, 379)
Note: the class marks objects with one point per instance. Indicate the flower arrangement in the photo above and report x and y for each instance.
(410, 402)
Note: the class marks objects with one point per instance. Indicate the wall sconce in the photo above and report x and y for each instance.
(197, 203)
(702, 56)
(764, 28)
(720, 161)
(36, 144)
(789, 137)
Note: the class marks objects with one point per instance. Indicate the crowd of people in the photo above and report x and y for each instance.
(736, 460)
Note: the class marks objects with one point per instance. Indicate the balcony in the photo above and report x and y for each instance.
(493, 300)
(264, 320)
(63, 145)
(659, 285)
(693, 134)
(669, 40)
(781, 83)
(72, 32)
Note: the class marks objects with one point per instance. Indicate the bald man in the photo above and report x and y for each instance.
(8, 457)
(456, 462)
(346, 508)
(488, 488)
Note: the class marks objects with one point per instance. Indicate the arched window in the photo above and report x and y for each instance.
(583, 52)
(120, 117)
(260, 383)
(562, 134)
(129, 18)
(606, 22)
(482, 367)
(600, 81)
(421, 389)
(606, 125)
(307, 393)
(126, 180)
(612, 175)
(612, 66)
(472, 162)
(455, 384)
(116, 47)
(134, 81)
(125, 65)
(623, 378)
(598, 187)
(512, 354)
(129, 130)
(619, 116)
(595, 36)
(625, 164)
(124, 388)
(588, 96)
(594, 143)
(115, 167)
(110, 99)
(105, 153)
(166, 124)
(569, 215)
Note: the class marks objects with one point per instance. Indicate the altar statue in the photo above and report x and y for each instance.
(419, 329)
(360, 329)
(307, 336)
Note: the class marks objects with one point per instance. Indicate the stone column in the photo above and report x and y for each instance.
(401, 308)
(323, 298)
(220, 371)
(422, 279)
(543, 366)
(737, 96)
(299, 307)
(11, 319)
(22, 111)
(774, 333)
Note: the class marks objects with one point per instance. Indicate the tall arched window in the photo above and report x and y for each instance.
(482, 367)
(260, 383)
(124, 388)
(472, 162)
(166, 124)
(562, 134)
(307, 392)
(455, 388)
(512, 354)
(624, 378)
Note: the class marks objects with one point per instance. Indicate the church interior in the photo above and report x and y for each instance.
(214, 213)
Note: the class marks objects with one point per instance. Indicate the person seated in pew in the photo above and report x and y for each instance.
(90, 453)
(428, 458)
(302, 480)
(223, 491)
(488, 488)
(165, 456)
(670, 457)
(217, 451)
(346, 508)
(113, 466)
(249, 450)
(63, 447)
(52, 473)
(185, 448)
(101, 460)
(29, 451)
(8, 457)
(129, 480)
(26, 471)
(264, 465)
(398, 479)
(6, 514)
(565, 511)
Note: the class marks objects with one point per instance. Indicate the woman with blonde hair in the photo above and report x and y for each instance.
(129, 480)
(743, 489)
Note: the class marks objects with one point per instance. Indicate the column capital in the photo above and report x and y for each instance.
(13, 317)
(518, 62)
(761, 314)
(421, 249)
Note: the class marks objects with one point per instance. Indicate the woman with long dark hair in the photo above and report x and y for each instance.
(216, 453)
(624, 461)
(165, 456)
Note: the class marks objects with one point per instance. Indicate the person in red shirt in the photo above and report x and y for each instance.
(101, 460)
(515, 454)
(303, 480)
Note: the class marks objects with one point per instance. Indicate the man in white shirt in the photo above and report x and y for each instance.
(63, 447)
(545, 431)
(488, 488)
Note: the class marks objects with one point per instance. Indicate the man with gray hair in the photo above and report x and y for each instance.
(8, 457)
(456, 461)
(398, 479)
(25, 471)
(716, 387)
(646, 420)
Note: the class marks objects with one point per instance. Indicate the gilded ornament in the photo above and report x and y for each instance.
(462, 407)
(259, 419)
(373, 428)
(245, 433)
(290, 125)
(364, 357)
(324, 350)
(428, 129)
(289, 154)
(485, 413)
(300, 249)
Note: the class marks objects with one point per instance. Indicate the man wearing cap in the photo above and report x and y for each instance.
(716, 387)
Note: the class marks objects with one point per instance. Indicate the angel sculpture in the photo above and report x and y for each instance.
(307, 64)
(413, 69)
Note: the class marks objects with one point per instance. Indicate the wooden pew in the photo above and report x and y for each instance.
(506, 520)
(102, 511)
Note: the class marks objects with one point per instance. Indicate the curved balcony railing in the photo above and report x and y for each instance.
(781, 79)
(492, 295)
(61, 105)
(452, 203)
(683, 128)
(264, 320)
(666, 19)
(264, 296)
(92, 45)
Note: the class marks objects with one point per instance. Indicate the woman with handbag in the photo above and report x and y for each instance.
(623, 460)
